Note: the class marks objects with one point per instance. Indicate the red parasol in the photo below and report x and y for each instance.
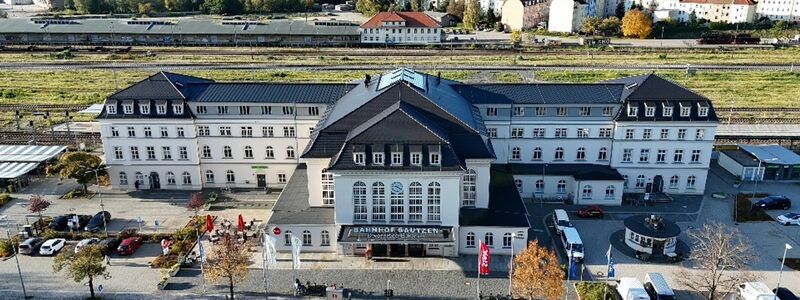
(209, 223)
(240, 225)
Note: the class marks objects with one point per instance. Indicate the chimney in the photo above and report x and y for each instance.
(367, 79)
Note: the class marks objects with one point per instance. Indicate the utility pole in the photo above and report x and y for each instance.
(4, 220)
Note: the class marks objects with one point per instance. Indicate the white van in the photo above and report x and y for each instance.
(755, 291)
(572, 243)
(657, 287)
(631, 289)
(561, 220)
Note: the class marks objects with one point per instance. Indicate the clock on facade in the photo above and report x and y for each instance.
(397, 188)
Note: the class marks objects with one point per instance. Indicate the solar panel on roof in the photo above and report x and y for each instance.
(407, 75)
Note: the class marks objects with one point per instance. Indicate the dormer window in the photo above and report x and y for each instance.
(222, 110)
(177, 109)
(686, 109)
(397, 158)
(649, 110)
(435, 155)
(416, 158)
(111, 108)
(201, 110)
(491, 111)
(161, 109)
(633, 110)
(377, 158)
(519, 111)
(144, 108)
(358, 158)
(667, 109)
(702, 110)
(127, 108)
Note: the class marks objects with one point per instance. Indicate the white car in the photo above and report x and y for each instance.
(52, 246)
(86, 242)
(789, 219)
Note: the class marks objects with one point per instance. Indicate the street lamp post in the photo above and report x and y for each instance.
(100, 195)
(780, 274)
(761, 177)
(4, 219)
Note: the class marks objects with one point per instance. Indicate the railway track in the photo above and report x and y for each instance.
(42, 107)
(48, 138)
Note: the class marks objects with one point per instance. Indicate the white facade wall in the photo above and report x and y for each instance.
(730, 165)
(777, 10)
(498, 247)
(495, 6)
(482, 178)
(401, 35)
(298, 230)
(565, 16)
(730, 13)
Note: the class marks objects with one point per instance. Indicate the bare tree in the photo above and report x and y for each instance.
(227, 262)
(720, 254)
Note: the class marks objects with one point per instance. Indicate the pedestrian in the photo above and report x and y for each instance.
(108, 259)
(136, 185)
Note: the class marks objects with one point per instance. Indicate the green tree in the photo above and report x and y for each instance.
(591, 25)
(620, 11)
(223, 7)
(177, 5)
(610, 26)
(367, 7)
(456, 8)
(79, 166)
(637, 24)
(516, 38)
(145, 9)
(472, 14)
(692, 19)
(442, 6)
(87, 263)
(416, 5)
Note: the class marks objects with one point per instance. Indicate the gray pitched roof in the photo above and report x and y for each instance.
(269, 92)
(505, 205)
(292, 205)
(652, 87)
(159, 86)
(541, 93)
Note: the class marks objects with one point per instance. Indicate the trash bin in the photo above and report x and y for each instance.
(28, 229)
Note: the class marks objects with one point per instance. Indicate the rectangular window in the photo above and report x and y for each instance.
(685, 111)
(695, 156)
(127, 109)
(148, 132)
(664, 134)
(114, 131)
(144, 109)
(358, 158)
(700, 134)
(288, 110)
(678, 158)
(134, 152)
(435, 158)
(626, 155)
(111, 109)
(164, 132)
(177, 109)
(202, 110)
(541, 111)
(281, 178)
(397, 158)
(649, 111)
(491, 111)
(661, 156)
(702, 111)
(630, 133)
(151, 152)
(244, 110)
(519, 111)
(166, 152)
(203, 131)
(668, 111)
(644, 155)
(247, 131)
(561, 111)
(415, 203)
(377, 158)
(585, 111)
(181, 133)
(633, 111)
(538, 132)
(313, 111)
(267, 131)
(517, 133)
(183, 153)
(161, 109)
(646, 133)
(117, 152)
(416, 158)
(225, 131)
(561, 132)
(288, 131)
(492, 132)
(605, 132)
(222, 110)
(681, 134)
(131, 131)
(583, 132)
(607, 111)
(266, 110)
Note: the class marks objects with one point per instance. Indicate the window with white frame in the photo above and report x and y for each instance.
(537, 153)
(519, 111)
(633, 110)
(539, 186)
(225, 131)
(281, 178)
(416, 158)
(118, 152)
(649, 111)
(127, 109)
(177, 109)
(507, 240)
(415, 202)
(134, 152)
(248, 152)
(607, 111)
(516, 153)
(488, 239)
(690, 182)
(171, 178)
(664, 133)
(700, 134)
(682, 134)
(377, 158)
(290, 152)
(378, 202)
(661, 156)
(468, 190)
(540, 111)
(586, 193)
(269, 152)
(561, 187)
(328, 197)
(111, 109)
(581, 154)
(180, 131)
(647, 133)
(288, 131)
(123, 178)
(640, 181)
(187, 178)
(685, 110)
(561, 111)
(266, 110)
(139, 177)
(518, 184)
(559, 154)
(325, 238)
(166, 152)
(397, 202)
(151, 152)
(222, 110)
(287, 237)
(695, 156)
(627, 155)
(585, 111)
(201, 110)
(470, 243)
(209, 176)
(434, 202)
(702, 111)
(602, 154)
(203, 131)
(491, 111)
(630, 134)
(164, 132)
(678, 157)
(247, 131)
(644, 155)
(673, 182)
(538, 132)
(517, 133)
(605, 132)
(244, 110)
(358, 158)
(148, 132)
(114, 131)
(667, 110)
(313, 111)
(306, 238)
(492, 132)
(230, 176)
(397, 158)
(227, 152)
(288, 110)
(583, 132)
(360, 201)
(267, 131)
(610, 192)
(435, 158)
(206, 151)
(561, 132)
(161, 109)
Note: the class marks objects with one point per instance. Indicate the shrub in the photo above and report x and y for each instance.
(162, 261)
(6, 248)
(50, 234)
(594, 290)
(5, 198)
(75, 193)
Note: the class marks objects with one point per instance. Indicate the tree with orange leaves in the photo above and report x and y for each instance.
(538, 274)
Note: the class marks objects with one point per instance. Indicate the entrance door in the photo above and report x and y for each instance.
(658, 184)
(261, 179)
(397, 250)
(379, 250)
(658, 246)
(155, 182)
(416, 250)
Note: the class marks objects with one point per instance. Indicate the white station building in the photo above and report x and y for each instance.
(406, 163)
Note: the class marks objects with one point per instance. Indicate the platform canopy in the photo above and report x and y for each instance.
(772, 154)
(9, 170)
(29, 153)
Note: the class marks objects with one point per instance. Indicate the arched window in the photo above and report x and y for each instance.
(587, 192)
(507, 240)
(248, 152)
(206, 151)
(581, 154)
(610, 192)
(540, 186)
(434, 202)
(327, 188)
(290, 152)
(227, 152)
(640, 181)
(270, 153)
(287, 237)
(139, 178)
(673, 182)
(603, 154)
(171, 178)
(468, 194)
(187, 178)
(209, 176)
(488, 239)
(325, 238)
(230, 177)
(559, 154)
(378, 201)
(690, 182)
(415, 202)
(518, 184)
(397, 202)
(515, 153)
(470, 240)
(306, 238)
(359, 201)
(537, 153)
(123, 178)
(562, 187)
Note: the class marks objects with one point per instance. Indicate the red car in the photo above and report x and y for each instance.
(129, 245)
(591, 211)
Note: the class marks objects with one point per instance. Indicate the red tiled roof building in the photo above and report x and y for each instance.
(401, 28)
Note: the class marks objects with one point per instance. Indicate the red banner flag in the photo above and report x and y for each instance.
(484, 258)
(209, 224)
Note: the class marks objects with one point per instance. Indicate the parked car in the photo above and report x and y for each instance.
(52, 246)
(789, 219)
(109, 245)
(755, 291)
(128, 246)
(561, 220)
(30, 245)
(86, 242)
(98, 221)
(60, 222)
(773, 202)
(83, 220)
(573, 246)
(631, 289)
(591, 211)
(784, 294)
(657, 287)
